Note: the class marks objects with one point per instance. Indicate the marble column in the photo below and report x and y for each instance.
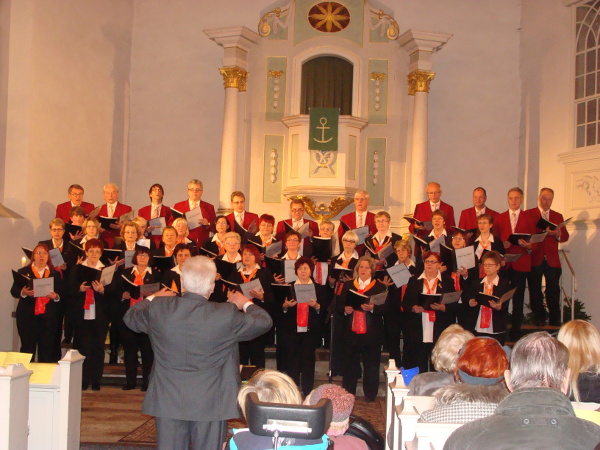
(236, 43)
(420, 45)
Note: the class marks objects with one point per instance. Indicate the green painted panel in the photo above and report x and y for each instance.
(351, 158)
(323, 164)
(294, 155)
(378, 115)
(272, 182)
(353, 32)
(376, 189)
(276, 76)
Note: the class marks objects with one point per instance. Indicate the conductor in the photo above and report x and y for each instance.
(195, 377)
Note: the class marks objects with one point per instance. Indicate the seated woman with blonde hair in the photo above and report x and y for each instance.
(583, 341)
(272, 387)
(444, 358)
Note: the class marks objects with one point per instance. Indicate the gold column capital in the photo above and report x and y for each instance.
(234, 77)
(419, 80)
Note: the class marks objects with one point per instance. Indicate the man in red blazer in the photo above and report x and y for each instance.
(359, 218)
(239, 214)
(156, 209)
(75, 199)
(545, 261)
(515, 220)
(424, 210)
(468, 217)
(202, 232)
(112, 208)
(297, 221)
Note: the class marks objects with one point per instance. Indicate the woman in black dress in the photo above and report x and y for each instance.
(38, 318)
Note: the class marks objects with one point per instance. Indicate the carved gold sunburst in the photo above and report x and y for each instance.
(329, 17)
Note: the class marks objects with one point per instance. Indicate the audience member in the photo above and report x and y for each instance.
(479, 386)
(583, 341)
(444, 357)
(537, 413)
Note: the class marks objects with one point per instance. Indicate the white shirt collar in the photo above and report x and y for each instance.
(490, 239)
(494, 281)
(410, 263)
(237, 258)
(137, 272)
(309, 282)
(99, 266)
(354, 255)
(245, 272)
(363, 284)
(439, 276)
(287, 257)
(176, 269)
(432, 234)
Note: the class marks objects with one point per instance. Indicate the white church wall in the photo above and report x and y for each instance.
(547, 68)
(66, 66)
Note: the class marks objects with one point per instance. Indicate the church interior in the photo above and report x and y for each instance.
(494, 93)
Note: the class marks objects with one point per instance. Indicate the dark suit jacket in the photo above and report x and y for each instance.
(468, 217)
(548, 247)
(374, 334)
(414, 329)
(196, 374)
(62, 210)
(423, 213)
(498, 317)
(248, 218)
(525, 224)
(201, 233)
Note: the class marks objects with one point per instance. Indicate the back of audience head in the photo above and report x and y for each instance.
(343, 403)
(445, 352)
(539, 361)
(582, 339)
(270, 386)
(481, 361)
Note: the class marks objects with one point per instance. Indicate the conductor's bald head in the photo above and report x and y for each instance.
(198, 275)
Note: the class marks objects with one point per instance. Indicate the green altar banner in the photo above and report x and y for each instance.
(323, 133)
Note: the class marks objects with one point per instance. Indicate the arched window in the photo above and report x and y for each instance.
(326, 83)
(587, 74)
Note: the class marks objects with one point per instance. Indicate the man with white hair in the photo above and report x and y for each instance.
(112, 208)
(195, 377)
(537, 413)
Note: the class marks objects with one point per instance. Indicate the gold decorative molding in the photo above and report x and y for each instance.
(234, 77)
(419, 80)
(276, 73)
(322, 212)
(383, 20)
(376, 76)
(271, 21)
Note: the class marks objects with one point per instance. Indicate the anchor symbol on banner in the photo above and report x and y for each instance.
(323, 122)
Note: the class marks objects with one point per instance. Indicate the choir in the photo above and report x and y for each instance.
(355, 290)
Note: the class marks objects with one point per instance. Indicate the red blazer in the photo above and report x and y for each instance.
(468, 217)
(549, 246)
(248, 218)
(282, 229)
(109, 235)
(201, 233)
(350, 220)
(62, 210)
(525, 224)
(423, 213)
(165, 211)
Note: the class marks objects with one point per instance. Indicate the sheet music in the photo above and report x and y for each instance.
(193, 218)
(305, 292)
(539, 237)
(107, 275)
(274, 249)
(253, 285)
(434, 245)
(158, 223)
(362, 234)
(56, 257)
(290, 272)
(465, 257)
(143, 242)
(42, 287)
(399, 274)
(128, 258)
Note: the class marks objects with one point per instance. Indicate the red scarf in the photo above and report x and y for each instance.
(431, 290)
(456, 277)
(40, 302)
(486, 312)
(89, 298)
(139, 280)
(359, 318)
